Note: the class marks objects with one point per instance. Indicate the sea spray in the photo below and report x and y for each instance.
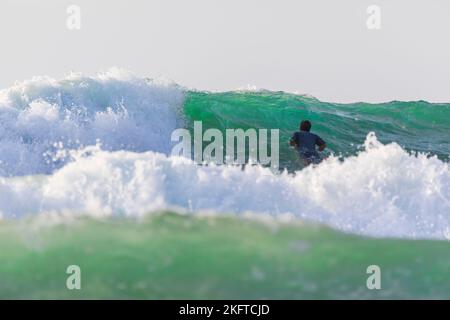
(86, 179)
(42, 117)
(382, 191)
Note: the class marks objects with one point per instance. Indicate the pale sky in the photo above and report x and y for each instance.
(318, 47)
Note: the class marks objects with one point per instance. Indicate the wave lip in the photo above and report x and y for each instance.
(383, 191)
(43, 117)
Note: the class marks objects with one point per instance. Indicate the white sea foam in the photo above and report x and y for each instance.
(42, 118)
(383, 191)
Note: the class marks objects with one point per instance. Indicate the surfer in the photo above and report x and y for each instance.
(305, 142)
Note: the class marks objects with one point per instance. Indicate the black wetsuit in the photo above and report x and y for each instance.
(306, 143)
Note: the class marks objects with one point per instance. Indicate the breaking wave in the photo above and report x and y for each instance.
(99, 146)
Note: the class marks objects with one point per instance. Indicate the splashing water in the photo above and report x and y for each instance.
(85, 171)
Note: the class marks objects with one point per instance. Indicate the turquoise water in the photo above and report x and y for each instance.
(417, 126)
(86, 178)
(168, 256)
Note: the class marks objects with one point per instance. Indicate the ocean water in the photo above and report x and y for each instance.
(86, 178)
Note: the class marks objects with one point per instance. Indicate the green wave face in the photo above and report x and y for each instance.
(416, 126)
(174, 256)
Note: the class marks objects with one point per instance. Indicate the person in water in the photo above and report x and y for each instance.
(305, 142)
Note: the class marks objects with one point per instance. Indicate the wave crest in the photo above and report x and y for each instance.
(43, 116)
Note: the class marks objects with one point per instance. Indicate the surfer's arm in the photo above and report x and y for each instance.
(292, 143)
(322, 146)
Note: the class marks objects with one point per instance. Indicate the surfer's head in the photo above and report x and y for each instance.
(305, 125)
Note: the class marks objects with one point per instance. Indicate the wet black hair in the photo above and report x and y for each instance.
(305, 125)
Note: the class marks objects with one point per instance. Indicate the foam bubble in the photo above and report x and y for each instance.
(42, 116)
(383, 191)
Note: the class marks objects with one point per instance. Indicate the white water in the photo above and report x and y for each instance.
(43, 117)
(384, 191)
